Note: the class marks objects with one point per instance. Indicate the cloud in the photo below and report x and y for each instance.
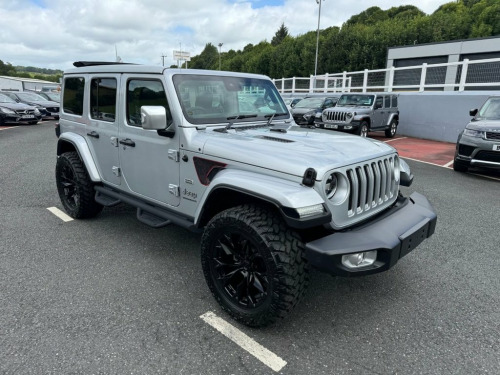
(54, 33)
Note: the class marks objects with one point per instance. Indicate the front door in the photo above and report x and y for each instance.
(149, 161)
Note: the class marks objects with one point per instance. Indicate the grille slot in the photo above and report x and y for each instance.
(492, 135)
(493, 156)
(465, 150)
(335, 116)
(371, 185)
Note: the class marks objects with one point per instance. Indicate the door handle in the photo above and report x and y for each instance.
(93, 134)
(127, 142)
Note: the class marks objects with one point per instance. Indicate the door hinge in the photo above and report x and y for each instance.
(174, 189)
(174, 155)
(116, 171)
(114, 141)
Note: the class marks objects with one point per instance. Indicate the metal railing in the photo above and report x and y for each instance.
(457, 76)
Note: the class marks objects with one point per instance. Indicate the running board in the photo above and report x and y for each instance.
(150, 219)
(147, 213)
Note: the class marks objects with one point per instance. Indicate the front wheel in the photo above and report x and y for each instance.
(253, 264)
(393, 127)
(363, 129)
(75, 188)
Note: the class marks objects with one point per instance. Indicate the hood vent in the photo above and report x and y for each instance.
(266, 137)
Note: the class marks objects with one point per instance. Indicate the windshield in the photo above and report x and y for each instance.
(309, 103)
(31, 97)
(356, 100)
(490, 110)
(54, 97)
(218, 99)
(6, 99)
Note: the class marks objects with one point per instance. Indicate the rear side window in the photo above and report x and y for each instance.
(387, 101)
(144, 92)
(394, 101)
(103, 99)
(73, 95)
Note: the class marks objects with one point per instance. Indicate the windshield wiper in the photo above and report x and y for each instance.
(239, 117)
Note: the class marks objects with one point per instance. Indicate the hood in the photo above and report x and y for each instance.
(304, 110)
(293, 151)
(485, 125)
(350, 108)
(43, 103)
(17, 106)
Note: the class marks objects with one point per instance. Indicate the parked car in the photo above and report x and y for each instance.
(52, 96)
(46, 107)
(307, 109)
(479, 143)
(290, 102)
(361, 113)
(12, 111)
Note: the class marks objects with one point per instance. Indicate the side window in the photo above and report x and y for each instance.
(144, 92)
(394, 101)
(73, 95)
(103, 99)
(387, 101)
(379, 102)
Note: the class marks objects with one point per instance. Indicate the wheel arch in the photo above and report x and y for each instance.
(73, 142)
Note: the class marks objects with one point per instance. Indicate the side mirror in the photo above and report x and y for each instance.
(473, 112)
(153, 117)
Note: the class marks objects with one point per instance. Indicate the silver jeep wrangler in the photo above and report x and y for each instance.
(218, 153)
(361, 113)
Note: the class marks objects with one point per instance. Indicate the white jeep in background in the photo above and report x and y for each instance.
(218, 153)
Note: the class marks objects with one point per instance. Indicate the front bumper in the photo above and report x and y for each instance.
(394, 234)
(478, 152)
(343, 127)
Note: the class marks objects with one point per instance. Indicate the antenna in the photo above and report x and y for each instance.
(118, 58)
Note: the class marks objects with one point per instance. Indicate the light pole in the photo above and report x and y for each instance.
(317, 42)
(220, 48)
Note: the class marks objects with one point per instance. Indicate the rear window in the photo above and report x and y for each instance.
(74, 88)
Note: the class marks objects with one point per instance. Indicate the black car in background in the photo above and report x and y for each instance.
(479, 144)
(306, 110)
(14, 112)
(46, 107)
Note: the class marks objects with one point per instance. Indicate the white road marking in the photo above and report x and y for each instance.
(426, 162)
(448, 164)
(61, 215)
(258, 351)
(395, 139)
(10, 127)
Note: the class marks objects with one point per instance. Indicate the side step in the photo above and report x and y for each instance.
(150, 219)
(106, 200)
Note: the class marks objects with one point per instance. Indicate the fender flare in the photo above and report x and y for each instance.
(80, 145)
(393, 115)
(284, 194)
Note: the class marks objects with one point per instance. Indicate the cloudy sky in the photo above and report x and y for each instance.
(54, 33)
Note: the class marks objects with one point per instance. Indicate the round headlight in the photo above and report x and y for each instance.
(331, 185)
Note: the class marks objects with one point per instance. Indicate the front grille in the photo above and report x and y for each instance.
(493, 156)
(334, 116)
(493, 135)
(52, 109)
(299, 119)
(25, 112)
(465, 150)
(372, 184)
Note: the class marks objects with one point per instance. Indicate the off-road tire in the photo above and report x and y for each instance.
(460, 166)
(363, 129)
(393, 128)
(75, 188)
(253, 264)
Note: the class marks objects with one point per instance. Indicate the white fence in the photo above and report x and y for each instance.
(458, 76)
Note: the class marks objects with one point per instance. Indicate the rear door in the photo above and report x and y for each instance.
(378, 112)
(102, 125)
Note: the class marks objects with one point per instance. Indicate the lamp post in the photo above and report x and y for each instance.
(220, 48)
(317, 42)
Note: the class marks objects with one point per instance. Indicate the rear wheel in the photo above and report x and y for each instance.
(393, 127)
(75, 188)
(253, 264)
(363, 129)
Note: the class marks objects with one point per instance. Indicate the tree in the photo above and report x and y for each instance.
(280, 35)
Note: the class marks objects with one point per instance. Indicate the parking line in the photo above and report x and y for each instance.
(395, 139)
(10, 127)
(61, 215)
(448, 164)
(258, 351)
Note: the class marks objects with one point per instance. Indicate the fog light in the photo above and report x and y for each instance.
(358, 260)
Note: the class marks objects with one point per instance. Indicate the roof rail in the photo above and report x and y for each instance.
(81, 64)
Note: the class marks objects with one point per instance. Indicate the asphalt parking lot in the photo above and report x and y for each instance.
(113, 296)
